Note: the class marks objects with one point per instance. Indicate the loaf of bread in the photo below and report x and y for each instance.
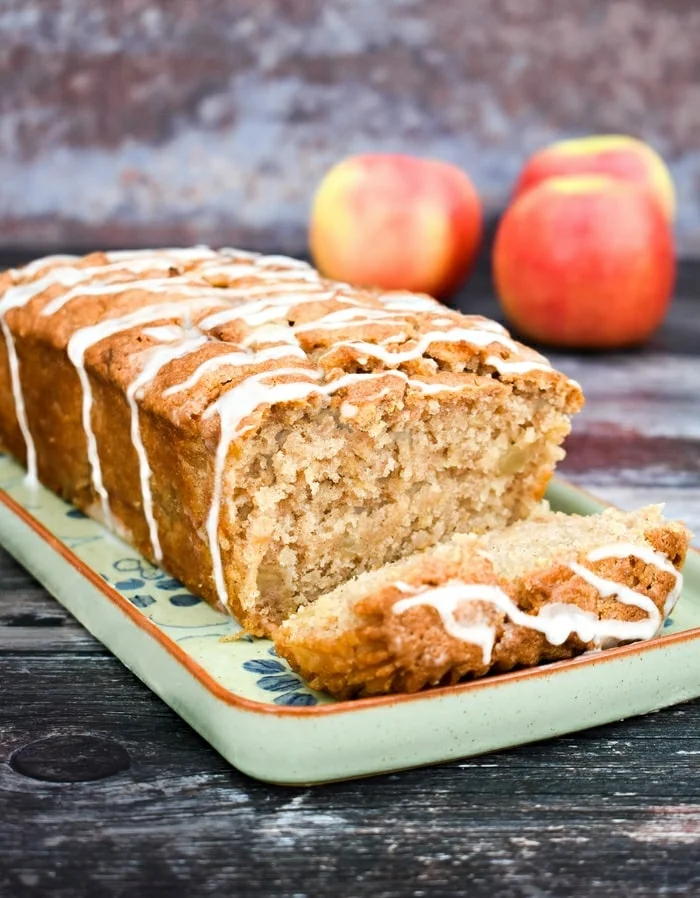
(262, 433)
(540, 590)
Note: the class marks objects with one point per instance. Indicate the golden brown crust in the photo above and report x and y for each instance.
(384, 652)
(326, 350)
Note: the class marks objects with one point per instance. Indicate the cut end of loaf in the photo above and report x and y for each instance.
(390, 630)
(318, 497)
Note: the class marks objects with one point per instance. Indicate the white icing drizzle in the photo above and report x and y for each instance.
(232, 408)
(485, 324)
(283, 351)
(272, 307)
(176, 286)
(348, 410)
(21, 294)
(353, 316)
(86, 337)
(432, 389)
(134, 262)
(230, 251)
(233, 271)
(408, 302)
(183, 254)
(231, 359)
(394, 338)
(270, 287)
(443, 322)
(608, 588)
(506, 367)
(44, 262)
(18, 398)
(137, 262)
(239, 359)
(13, 298)
(164, 333)
(273, 333)
(474, 336)
(156, 359)
(447, 599)
(649, 556)
(284, 261)
(236, 270)
(557, 621)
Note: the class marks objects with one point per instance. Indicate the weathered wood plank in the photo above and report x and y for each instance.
(32, 621)
(30, 640)
(622, 801)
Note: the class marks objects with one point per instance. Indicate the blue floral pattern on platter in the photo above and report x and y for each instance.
(246, 666)
(275, 676)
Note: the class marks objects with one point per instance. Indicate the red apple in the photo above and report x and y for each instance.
(607, 154)
(396, 222)
(585, 262)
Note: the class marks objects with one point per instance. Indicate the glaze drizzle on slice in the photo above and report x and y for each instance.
(557, 621)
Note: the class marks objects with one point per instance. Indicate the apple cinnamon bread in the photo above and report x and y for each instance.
(263, 433)
(539, 590)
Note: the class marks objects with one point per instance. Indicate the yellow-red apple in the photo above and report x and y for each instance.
(616, 155)
(396, 222)
(585, 262)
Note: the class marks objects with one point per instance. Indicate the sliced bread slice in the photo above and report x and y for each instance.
(541, 590)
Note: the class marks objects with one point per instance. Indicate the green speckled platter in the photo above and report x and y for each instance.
(264, 719)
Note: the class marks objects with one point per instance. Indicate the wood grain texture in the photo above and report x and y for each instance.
(153, 123)
(610, 811)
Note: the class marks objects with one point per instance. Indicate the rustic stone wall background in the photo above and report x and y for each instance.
(129, 122)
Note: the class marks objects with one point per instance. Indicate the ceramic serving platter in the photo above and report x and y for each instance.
(262, 717)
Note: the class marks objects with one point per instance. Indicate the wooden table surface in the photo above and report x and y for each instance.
(610, 811)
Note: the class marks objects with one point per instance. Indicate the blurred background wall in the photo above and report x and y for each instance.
(127, 122)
